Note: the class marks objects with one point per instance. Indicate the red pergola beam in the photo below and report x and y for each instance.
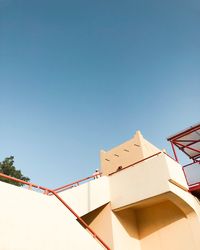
(186, 132)
(176, 140)
(186, 146)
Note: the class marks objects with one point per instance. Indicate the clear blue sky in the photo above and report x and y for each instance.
(80, 76)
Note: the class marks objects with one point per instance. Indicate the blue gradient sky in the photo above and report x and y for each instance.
(80, 76)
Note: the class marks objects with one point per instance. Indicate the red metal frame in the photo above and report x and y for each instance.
(182, 143)
(29, 184)
(194, 188)
(185, 132)
(178, 142)
(47, 191)
(195, 184)
(174, 151)
(170, 156)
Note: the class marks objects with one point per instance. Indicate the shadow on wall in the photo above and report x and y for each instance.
(152, 219)
(128, 221)
(161, 226)
(90, 217)
(100, 221)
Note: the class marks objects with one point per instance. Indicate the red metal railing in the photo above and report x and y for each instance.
(76, 183)
(29, 184)
(170, 157)
(47, 191)
(192, 173)
(135, 163)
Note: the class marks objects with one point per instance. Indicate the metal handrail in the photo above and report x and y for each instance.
(171, 157)
(183, 168)
(76, 183)
(29, 184)
(135, 163)
(47, 191)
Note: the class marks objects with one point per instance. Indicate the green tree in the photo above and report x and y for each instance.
(7, 167)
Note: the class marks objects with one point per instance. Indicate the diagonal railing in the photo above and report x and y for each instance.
(49, 191)
(76, 183)
(94, 176)
(135, 163)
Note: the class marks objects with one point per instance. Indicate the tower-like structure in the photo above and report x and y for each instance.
(128, 153)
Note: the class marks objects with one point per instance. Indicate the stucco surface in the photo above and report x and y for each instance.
(33, 221)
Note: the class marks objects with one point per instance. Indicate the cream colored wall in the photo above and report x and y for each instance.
(33, 221)
(118, 230)
(164, 226)
(175, 171)
(190, 205)
(145, 180)
(125, 231)
(161, 223)
(100, 220)
(186, 199)
(131, 151)
(120, 156)
(88, 196)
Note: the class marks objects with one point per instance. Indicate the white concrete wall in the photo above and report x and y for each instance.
(142, 181)
(33, 221)
(175, 171)
(125, 232)
(88, 196)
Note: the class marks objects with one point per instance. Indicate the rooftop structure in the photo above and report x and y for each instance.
(141, 200)
(188, 141)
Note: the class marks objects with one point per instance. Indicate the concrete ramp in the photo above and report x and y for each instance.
(33, 221)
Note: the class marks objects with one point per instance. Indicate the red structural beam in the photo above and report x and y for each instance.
(184, 133)
(194, 188)
(179, 138)
(191, 163)
(174, 151)
(186, 146)
(182, 147)
(46, 191)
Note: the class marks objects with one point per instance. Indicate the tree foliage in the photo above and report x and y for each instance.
(7, 167)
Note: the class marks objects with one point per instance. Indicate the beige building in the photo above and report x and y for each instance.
(142, 201)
